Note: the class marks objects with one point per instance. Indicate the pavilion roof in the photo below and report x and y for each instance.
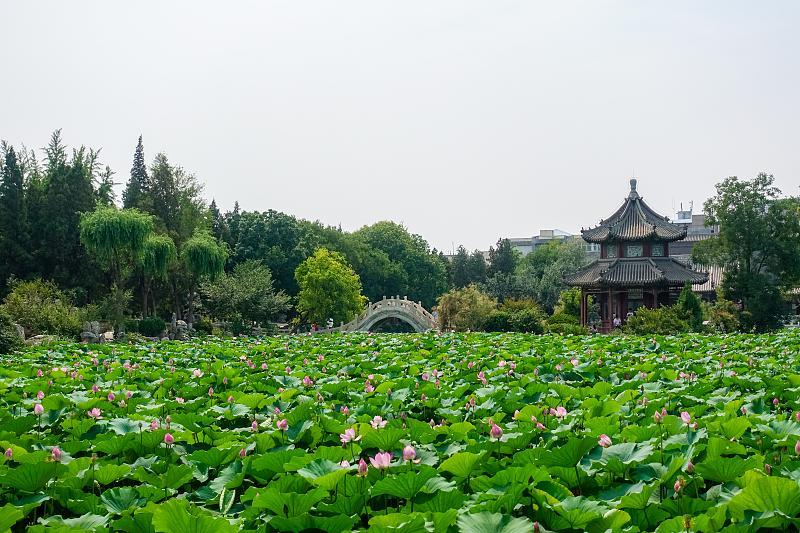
(634, 221)
(638, 271)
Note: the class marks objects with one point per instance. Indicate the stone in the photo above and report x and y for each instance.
(92, 327)
(88, 336)
(108, 336)
(41, 339)
(20, 331)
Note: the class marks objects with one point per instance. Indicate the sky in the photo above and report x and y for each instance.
(465, 121)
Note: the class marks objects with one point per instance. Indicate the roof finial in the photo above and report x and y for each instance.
(633, 193)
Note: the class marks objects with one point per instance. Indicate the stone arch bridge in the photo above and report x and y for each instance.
(405, 310)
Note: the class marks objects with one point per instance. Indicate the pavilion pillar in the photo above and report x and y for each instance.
(583, 308)
(655, 298)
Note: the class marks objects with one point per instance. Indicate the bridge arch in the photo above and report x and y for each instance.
(405, 310)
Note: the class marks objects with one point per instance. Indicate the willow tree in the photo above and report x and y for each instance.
(204, 259)
(158, 256)
(115, 237)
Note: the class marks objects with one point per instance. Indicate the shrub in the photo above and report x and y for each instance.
(9, 337)
(689, 306)
(152, 326)
(661, 321)
(42, 309)
(204, 326)
(523, 316)
(723, 315)
(465, 309)
(566, 328)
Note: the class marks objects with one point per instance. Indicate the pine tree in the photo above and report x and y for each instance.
(14, 239)
(136, 192)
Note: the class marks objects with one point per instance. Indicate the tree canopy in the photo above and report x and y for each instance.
(329, 288)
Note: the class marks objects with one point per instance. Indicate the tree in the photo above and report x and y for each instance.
(115, 237)
(758, 244)
(426, 276)
(329, 288)
(157, 258)
(690, 307)
(137, 191)
(466, 309)
(476, 267)
(502, 259)
(569, 303)
(174, 197)
(460, 268)
(279, 241)
(246, 295)
(204, 259)
(14, 237)
(543, 270)
(68, 193)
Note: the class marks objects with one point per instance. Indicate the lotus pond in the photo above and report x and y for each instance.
(457, 432)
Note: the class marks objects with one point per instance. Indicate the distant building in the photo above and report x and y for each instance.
(696, 231)
(526, 245)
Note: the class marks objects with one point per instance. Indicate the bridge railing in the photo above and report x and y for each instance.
(414, 308)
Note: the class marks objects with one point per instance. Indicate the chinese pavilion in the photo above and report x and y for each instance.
(634, 268)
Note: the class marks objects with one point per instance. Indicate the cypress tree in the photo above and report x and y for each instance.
(138, 187)
(14, 238)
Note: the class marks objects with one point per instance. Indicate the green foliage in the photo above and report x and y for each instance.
(42, 309)
(14, 230)
(667, 320)
(722, 315)
(204, 257)
(569, 303)
(466, 309)
(158, 255)
(524, 316)
(115, 237)
(279, 241)
(690, 307)
(758, 244)
(152, 326)
(245, 295)
(502, 258)
(468, 268)
(113, 306)
(136, 194)
(9, 337)
(329, 288)
(424, 273)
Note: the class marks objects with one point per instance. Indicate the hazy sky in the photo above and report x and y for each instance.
(463, 120)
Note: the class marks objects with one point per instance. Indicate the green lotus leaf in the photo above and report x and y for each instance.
(493, 523)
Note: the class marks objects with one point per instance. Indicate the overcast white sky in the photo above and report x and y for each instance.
(463, 120)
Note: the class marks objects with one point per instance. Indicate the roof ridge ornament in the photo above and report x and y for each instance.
(633, 193)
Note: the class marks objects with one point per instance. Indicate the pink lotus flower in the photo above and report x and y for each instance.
(558, 367)
(344, 409)
(797, 416)
(378, 422)
(95, 388)
(368, 388)
(56, 453)
(254, 426)
(686, 417)
(94, 413)
(39, 395)
(679, 483)
(263, 366)
(168, 439)
(540, 426)
(197, 373)
(381, 460)
(425, 376)
(797, 447)
(277, 410)
(349, 435)
(307, 381)
(496, 432)
(501, 364)
(243, 453)
(775, 402)
(344, 463)
(38, 409)
(111, 396)
(39, 373)
(154, 425)
(211, 391)
(470, 364)
(559, 412)
(604, 440)
(230, 399)
(179, 399)
(9, 453)
(482, 377)
(409, 453)
(283, 424)
(689, 468)
(362, 467)
(288, 370)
